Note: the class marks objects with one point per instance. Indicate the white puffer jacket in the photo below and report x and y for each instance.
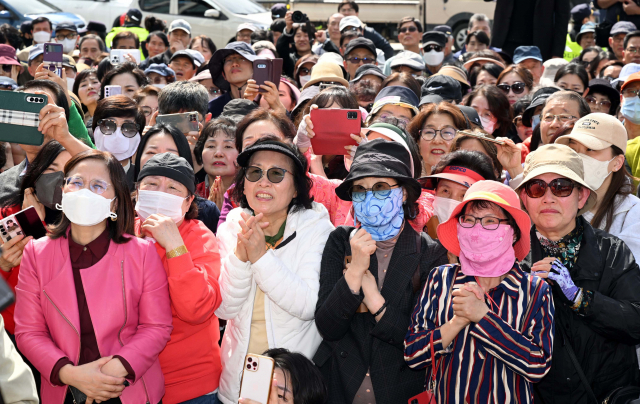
(290, 278)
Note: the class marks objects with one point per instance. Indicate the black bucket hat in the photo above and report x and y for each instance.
(274, 146)
(170, 166)
(379, 158)
(216, 63)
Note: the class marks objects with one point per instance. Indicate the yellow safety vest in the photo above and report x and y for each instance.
(571, 49)
(141, 32)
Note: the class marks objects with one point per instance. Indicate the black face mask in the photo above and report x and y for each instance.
(49, 189)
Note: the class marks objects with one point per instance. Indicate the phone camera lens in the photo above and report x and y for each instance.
(249, 367)
(249, 359)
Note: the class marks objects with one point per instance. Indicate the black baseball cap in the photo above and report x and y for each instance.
(360, 43)
(278, 10)
(445, 29)
(171, 166)
(446, 87)
(580, 12)
(622, 27)
(135, 14)
(434, 38)
(68, 26)
(239, 106)
(367, 69)
(274, 146)
(471, 114)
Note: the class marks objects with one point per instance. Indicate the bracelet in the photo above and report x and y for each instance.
(377, 313)
(178, 251)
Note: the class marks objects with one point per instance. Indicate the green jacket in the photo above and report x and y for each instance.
(77, 128)
(141, 32)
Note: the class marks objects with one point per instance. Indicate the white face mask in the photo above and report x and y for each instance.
(157, 202)
(41, 37)
(433, 58)
(595, 171)
(120, 146)
(488, 125)
(86, 208)
(70, 82)
(304, 79)
(443, 207)
(68, 45)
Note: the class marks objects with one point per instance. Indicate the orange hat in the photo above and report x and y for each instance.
(631, 79)
(503, 196)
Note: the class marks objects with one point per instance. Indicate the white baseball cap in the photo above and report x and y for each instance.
(350, 21)
(597, 131)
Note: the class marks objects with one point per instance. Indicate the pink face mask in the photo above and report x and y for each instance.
(486, 253)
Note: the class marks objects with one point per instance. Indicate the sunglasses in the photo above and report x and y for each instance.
(436, 48)
(517, 87)
(407, 29)
(275, 175)
(380, 190)
(109, 126)
(606, 104)
(560, 187)
(355, 60)
(7, 68)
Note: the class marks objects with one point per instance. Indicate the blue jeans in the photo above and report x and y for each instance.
(206, 399)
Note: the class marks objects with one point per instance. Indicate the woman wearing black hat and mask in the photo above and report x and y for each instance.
(370, 279)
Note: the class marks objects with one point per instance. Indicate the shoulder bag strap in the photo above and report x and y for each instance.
(415, 280)
(576, 364)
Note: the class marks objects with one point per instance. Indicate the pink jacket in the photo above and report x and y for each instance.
(128, 298)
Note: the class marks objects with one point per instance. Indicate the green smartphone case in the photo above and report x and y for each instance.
(19, 117)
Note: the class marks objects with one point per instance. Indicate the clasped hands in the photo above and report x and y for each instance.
(468, 304)
(100, 380)
(251, 245)
(357, 273)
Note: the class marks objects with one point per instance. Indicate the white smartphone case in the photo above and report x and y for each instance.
(256, 378)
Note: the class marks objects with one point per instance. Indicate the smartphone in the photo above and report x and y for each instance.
(19, 122)
(116, 56)
(186, 122)
(332, 128)
(52, 57)
(24, 223)
(112, 90)
(479, 136)
(257, 376)
(426, 397)
(267, 70)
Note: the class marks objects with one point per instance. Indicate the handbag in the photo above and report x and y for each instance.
(428, 396)
(78, 396)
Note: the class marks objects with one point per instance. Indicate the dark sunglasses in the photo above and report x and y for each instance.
(592, 100)
(275, 175)
(109, 126)
(516, 87)
(560, 187)
(436, 48)
(407, 29)
(7, 68)
(380, 190)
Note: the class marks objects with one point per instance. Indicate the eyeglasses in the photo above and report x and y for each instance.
(436, 48)
(349, 29)
(380, 190)
(275, 175)
(632, 50)
(488, 222)
(7, 68)
(517, 87)
(391, 119)
(355, 60)
(215, 91)
(76, 183)
(61, 36)
(146, 111)
(606, 104)
(564, 118)
(430, 134)
(629, 93)
(109, 126)
(234, 60)
(517, 120)
(561, 187)
(407, 29)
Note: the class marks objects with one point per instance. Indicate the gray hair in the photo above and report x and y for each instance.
(103, 47)
(583, 107)
(477, 17)
(183, 96)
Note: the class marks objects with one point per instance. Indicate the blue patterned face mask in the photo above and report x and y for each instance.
(381, 218)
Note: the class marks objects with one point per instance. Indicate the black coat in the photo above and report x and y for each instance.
(354, 342)
(550, 21)
(604, 340)
(379, 41)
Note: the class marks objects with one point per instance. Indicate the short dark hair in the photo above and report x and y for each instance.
(348, 35)
(632, 34)
(406, 20)
(574, 68)
(609, 64)
(183, 96)
(103, 68)
(123, 68)
(96, 38)
(489, 147)
(144, 92)
(351, 3)
(278, 25)
(123, 36)
(204, 39)
(124, 207)
(225, 125)
(307, 28)
(261, 35)
(12, 35)
(40, 20)
(406, 79)
(61, 95)
(118, 106)
(482, 204)
(301, 181)
(161, 35)
(480, 36)
(307, 384)
(491, 68)
(153, 25)
(280, 120)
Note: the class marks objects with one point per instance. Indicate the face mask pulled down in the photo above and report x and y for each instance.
(86, 208)
(595, 171)
(382, 219)
(486, 253)
(157, 202)
(120, 146)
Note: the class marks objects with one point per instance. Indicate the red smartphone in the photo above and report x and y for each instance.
(332, 128)
(267, 70)
(426, 397)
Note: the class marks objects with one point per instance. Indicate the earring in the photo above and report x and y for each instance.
(113, 219)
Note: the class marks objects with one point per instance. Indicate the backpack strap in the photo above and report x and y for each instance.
(415, 279)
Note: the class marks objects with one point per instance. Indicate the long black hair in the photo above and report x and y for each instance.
(307, 384)
(162, 128)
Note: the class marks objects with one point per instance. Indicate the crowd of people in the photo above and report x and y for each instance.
(495, 185)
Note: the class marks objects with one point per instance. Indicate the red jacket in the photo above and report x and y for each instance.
(126, 293)
(191, 360)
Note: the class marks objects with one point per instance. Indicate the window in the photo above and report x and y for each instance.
(33, 6)
(193, 8)
(156, 6)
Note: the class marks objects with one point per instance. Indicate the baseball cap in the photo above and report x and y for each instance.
(93, 26)
(557, 159)
(246, 25)
(134, 14)
(409, 59)
(360, 43)
(368, 69)
(622, 27)
(396, 95)
(203, 75)
(445, 29)
(471, 114)
(196, 57)
(430, 99)
(8, 55)
(588, 27)
(278, 10)
(161, 69)
(68, 26)
(597, 131)
(631, 79)
(180, 24)
(217, 60)
(36, 51)
(580, 12)
(627, 71)
(325, 71)
(527, 52)
(433, 38)
(68, 61)
(350, 21)
(469, 63)
(446, 87)
(171, 166)
(239, 106)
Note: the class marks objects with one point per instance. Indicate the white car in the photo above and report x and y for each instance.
(218, 19)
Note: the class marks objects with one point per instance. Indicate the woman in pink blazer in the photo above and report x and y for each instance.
(93, 311)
